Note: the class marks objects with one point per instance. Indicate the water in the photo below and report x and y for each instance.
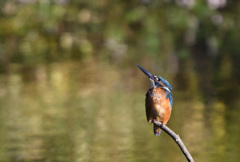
(76, 112)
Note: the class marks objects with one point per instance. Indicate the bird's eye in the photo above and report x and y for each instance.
(156, 77)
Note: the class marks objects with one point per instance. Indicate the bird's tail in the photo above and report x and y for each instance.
(156, 130)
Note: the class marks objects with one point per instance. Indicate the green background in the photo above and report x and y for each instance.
(70, 89)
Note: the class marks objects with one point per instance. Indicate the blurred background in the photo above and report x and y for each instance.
(70, 89)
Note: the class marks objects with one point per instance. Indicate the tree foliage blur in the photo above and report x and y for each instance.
(187, 39)
(70, 89)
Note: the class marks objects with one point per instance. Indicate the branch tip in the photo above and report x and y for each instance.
(176, 138)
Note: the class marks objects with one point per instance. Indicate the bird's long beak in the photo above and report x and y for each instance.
(149, 75)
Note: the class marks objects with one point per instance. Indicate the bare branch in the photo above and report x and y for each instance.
(176, 138)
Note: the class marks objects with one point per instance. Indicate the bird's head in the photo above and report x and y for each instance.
(157, 81)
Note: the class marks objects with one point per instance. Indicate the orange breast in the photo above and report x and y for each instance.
(158, 107)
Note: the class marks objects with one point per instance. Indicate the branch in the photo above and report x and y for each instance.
(176, 138)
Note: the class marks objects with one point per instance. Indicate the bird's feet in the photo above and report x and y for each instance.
(157, 123)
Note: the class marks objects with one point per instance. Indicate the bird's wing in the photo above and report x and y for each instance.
(149, 106)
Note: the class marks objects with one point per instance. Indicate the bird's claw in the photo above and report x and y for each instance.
(157, 122)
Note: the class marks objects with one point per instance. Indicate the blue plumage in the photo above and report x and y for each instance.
(163, 81)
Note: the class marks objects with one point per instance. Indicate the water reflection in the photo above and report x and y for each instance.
(73, 112)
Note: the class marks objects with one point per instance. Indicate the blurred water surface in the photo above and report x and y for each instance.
(70, 89)
(75, 112)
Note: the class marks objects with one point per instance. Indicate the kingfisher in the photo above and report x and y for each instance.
(158, 101)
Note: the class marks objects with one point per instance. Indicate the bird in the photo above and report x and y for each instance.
(159, 101)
